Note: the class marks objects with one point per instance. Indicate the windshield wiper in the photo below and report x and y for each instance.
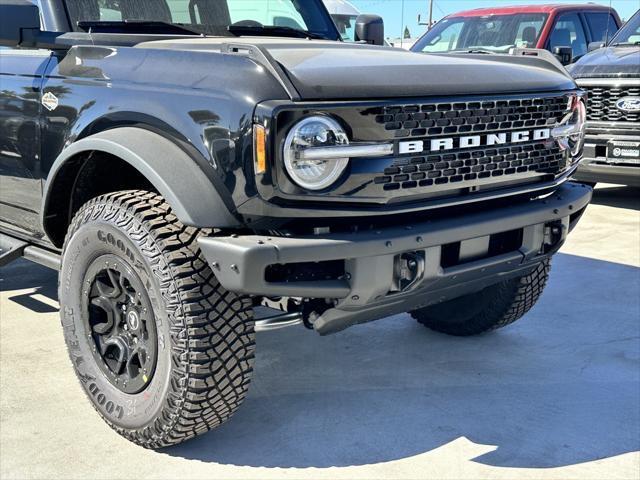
(475, 50)
(149, 27)
(269, 30)
(625, 44)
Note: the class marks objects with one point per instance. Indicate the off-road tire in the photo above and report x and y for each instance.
(205, 334)
(494, 307)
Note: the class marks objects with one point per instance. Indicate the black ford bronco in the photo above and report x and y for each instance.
(185, 163)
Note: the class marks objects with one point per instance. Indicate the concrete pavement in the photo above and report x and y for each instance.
(556, 395)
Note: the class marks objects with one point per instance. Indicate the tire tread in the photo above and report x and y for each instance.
(212, 330)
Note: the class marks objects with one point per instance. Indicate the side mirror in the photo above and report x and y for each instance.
(370, 29)
(564, 54)
(18, 20)
(595, 46)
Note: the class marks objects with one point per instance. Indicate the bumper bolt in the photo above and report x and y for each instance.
(235, 268)
(389, 244)
(355, 298)
(419, 240)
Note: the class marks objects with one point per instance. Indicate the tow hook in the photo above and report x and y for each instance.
(408, 269)
(554, 235)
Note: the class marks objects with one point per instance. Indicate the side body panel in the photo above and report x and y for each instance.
(203, 102)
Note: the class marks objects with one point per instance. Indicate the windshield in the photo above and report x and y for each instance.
(496, 33)
(630, 32)
(210, 17)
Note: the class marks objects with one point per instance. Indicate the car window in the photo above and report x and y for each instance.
(206, 16)
(280, 13)
(446, 39)
(529, 29)
(346, 26)
(630, 32)
(568, 32)
(602, 25)
(492, 32)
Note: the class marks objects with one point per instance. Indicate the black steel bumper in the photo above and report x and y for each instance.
(366, 291)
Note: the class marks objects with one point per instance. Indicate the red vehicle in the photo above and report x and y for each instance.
(497, 30)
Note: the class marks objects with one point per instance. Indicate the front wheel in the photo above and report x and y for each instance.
(162, 351)
(494, 307)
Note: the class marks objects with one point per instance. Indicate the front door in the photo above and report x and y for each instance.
(21, 76)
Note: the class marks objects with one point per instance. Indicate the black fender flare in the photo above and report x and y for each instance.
(172, 171)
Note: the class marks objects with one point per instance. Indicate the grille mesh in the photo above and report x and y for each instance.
(472, 166)
(601, 105)
(459, 118)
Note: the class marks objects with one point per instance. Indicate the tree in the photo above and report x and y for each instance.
(407, 33)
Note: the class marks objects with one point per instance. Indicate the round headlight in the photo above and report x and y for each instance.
(580, 119)
(570, 132)
(306, 168)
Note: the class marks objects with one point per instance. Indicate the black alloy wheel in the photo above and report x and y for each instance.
(121, 324)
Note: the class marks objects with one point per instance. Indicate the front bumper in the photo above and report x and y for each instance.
(366, 290)
(596, 166)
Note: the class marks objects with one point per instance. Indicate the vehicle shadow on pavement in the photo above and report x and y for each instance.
(23, 276)
(618, 196)
(560, 387)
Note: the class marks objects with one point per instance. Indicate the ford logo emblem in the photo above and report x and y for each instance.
(629, 104)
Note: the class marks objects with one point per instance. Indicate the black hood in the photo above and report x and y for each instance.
(621, 62)
(322, 70)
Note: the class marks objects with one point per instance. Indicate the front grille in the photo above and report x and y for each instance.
(432, 171)
(435, 119)
(473, 166)
(601, 103)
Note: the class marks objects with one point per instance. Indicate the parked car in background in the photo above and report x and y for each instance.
(611, 76)
(550, 27)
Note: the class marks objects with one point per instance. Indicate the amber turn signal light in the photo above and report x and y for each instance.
(260, 148)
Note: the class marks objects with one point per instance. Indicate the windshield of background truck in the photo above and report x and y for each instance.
(211, 17)
(493, 32)
(630, 33)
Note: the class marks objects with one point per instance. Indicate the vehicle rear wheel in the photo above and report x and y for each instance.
(494, 307)
(163, 352)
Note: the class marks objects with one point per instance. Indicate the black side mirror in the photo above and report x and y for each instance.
(18, 20)
(370, 29)
(595, 46)
(564, 54)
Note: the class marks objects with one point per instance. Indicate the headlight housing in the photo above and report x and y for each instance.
(570, 132)
(317, 133)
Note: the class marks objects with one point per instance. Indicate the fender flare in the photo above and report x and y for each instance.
(173, 173)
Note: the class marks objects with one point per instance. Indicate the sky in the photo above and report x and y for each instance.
(393, 13)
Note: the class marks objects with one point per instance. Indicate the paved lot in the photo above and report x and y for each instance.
(557, 395)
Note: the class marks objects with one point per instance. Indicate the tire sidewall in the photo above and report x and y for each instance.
(89, 242)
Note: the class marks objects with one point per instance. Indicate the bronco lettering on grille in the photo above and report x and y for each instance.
(443, 144)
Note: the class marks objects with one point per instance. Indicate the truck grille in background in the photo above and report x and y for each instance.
(462, 118)
(472, 166)
(601, 104)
